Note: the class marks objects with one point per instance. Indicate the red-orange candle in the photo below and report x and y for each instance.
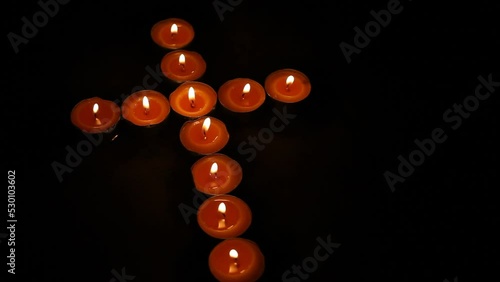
(173, 33)
(146, 108)
(182, 65)
(241, 95)
(287, 85)
(193, 99)
(216, 174)
(236, 260)
(204, 135)
(224, 216)
(95, 115)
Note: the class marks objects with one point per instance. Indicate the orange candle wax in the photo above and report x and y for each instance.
(95, 115)
(241, 95)
(287, 85)
(182, 65)
(193, 99)
(204, 135)
(236, 260)
(224, 216)
(172, 33)
(216, 174)
(146, 108)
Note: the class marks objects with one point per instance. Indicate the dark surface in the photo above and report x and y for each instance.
(321, 176)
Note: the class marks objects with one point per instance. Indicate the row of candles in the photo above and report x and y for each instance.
(222, 216)
(191, 99)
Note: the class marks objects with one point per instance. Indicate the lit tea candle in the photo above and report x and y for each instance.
(241, 95)
(182, 65)
(204, 136)
(173, 33)
(216, 174)
(146, 108)
(287, 85)
(95, 115)
(236, 260)
(224, 216)
(193, 99)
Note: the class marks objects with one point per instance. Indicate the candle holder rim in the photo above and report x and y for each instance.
(171, 47)
(111, 126)
(130, 100)
(241, 109)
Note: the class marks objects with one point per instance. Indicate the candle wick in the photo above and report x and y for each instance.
(146, 111)
(243, 96)
(192, 103)
(287, 87)
(183, 68)
(204, 134)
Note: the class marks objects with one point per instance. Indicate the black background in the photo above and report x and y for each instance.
(322, 176)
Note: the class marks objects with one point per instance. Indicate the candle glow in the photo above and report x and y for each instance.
(96, 108)
(214, 169)
(246, 89)
(222, 221)
(222, 208)
(182, 60)
(289, 81)
(145, 104)
(234, 266)
(206, 126)
(233, 253)
(173, 29)
(191, 96)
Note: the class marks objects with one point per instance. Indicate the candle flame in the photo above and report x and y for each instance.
(246, 88)
(182, 59)
(222, 208)
(173, 29)
(214, 168)
(289, 80)
(191, 96)
(96, 108)
(145, 103)
(233, 253)
(206, 125)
